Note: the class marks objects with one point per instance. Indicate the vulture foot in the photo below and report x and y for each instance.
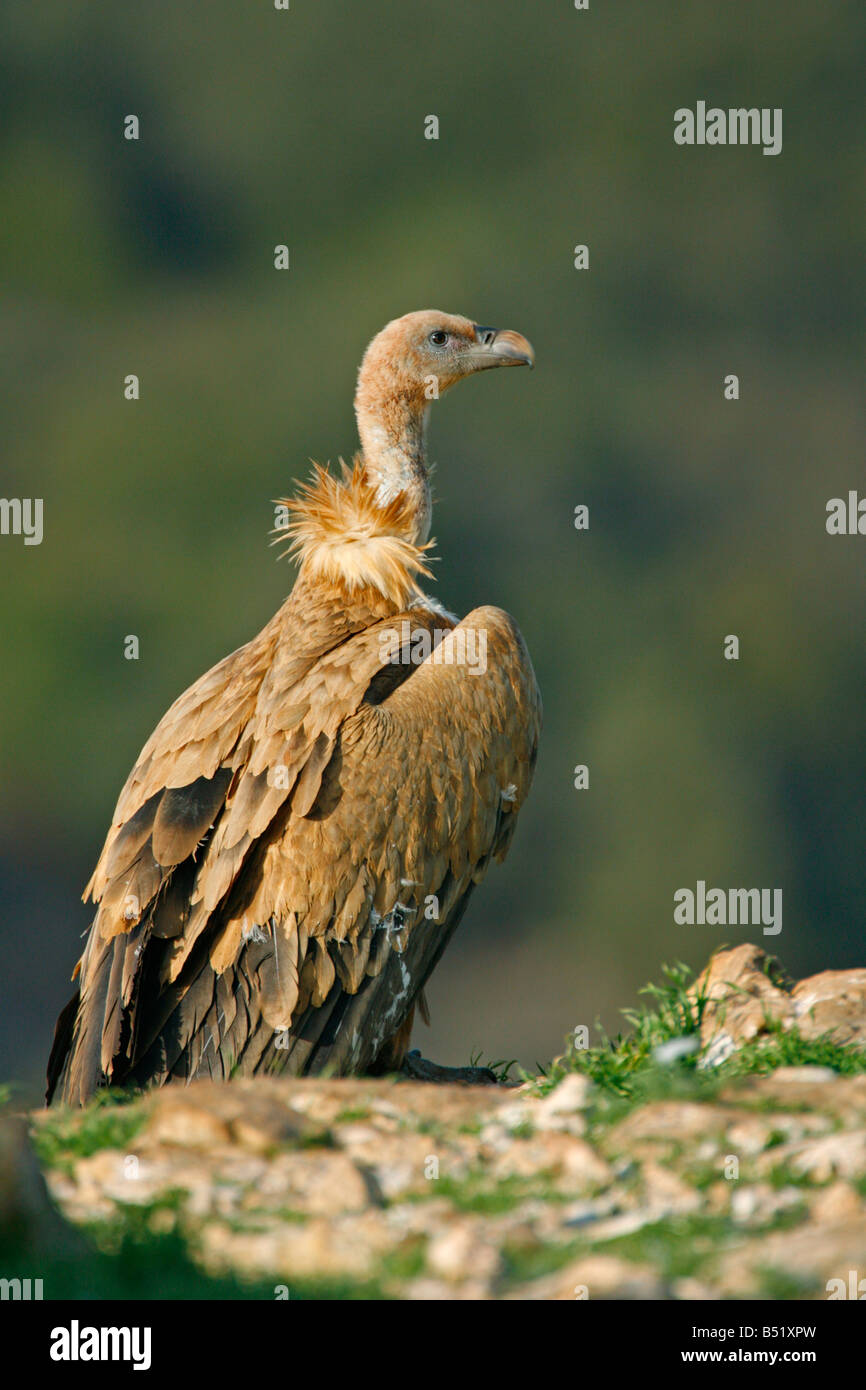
(417, 1068)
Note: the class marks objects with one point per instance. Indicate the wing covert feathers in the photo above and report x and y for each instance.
(303, 829)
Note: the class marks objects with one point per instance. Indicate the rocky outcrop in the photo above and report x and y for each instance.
(697, 1188)
(748, 995)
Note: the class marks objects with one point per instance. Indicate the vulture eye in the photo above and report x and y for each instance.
(438, 337)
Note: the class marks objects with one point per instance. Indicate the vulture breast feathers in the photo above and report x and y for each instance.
(301, 833)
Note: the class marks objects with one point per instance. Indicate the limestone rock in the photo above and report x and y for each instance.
(746, 992)
(462, 1193)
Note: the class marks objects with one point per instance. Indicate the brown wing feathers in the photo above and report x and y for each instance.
(376, 836)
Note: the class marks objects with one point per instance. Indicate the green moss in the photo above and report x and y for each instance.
(524, 1130)
(291, 1215)
(701, 1176)
(617, 1065)
(523, 1261)
(775, 1138)
(682, 1245)
(675, 1247)
(782, 1047)
(406, 1262)
(627, 1072)
(111, 1121)
(257, 1220)
(783, 1175)
(312, 1139)
(784, 1284)
(479, 1192)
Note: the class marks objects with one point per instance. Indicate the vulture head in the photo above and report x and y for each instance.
(406, 366)
(420, 355)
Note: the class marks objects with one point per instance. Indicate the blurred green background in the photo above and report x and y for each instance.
(707, 517)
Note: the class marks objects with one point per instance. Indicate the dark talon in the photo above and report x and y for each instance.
(419, 1069)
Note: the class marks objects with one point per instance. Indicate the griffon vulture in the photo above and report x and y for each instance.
(302, 831)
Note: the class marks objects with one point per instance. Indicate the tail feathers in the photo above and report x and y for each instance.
(60, 1047)
(81, 1072)
(212, 1025)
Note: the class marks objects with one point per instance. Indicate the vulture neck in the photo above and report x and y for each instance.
(392, 429)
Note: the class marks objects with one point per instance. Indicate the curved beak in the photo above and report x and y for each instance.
(502, 348)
